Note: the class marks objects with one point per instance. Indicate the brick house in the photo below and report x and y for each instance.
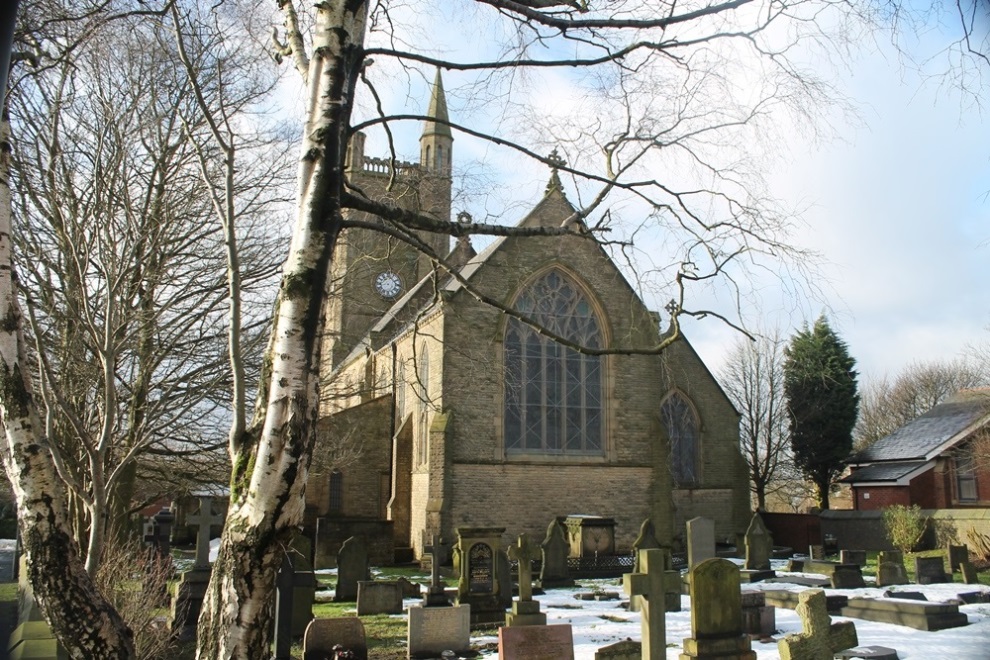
(454, 413)
(929, 461)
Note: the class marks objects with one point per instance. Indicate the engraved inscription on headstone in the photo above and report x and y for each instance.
(480, 569)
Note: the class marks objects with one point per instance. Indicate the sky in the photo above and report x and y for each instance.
(895, 197)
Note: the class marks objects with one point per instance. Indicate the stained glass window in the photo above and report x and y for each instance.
(682, 429)
(553, 393)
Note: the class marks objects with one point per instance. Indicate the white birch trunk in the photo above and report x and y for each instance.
(85, 623)
(271, 461)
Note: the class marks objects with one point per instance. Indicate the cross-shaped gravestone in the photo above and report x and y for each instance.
(525, 552)
(819, 638)
(205, 518)
(648, 583)
(436, 594)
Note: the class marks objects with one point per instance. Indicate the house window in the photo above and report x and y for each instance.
(424, 404)
(336, 491)
(553, 393)
(965, 477)
(682, 429)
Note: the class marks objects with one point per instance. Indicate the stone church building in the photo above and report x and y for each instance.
(442, 411)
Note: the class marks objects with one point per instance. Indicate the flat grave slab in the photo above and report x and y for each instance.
(867, 653)
(920, 615)
(790, 600)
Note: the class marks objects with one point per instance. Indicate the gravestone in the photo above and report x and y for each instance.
(553, 572)
(867, 653)
(700, 540)
(191, 590)
(958, 555)
(352, 567)
(304, 582)
(436, 595)
(648, 584)
(433, 630)
(816, 552)
(716, 614)
(759, 545)
(759, 620)
(590, 536)
(481, 583)
(930, 570)
(857, 557)
(894, 556)
(847, 576)
(322, 635)
(283, 611)
(820, 639)
(378, 597)
(647, 540)
(536, 642)
(891, 573)
(968, 573)
(624, 650)
(525, 611)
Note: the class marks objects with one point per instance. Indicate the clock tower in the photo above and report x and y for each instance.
(372, 270)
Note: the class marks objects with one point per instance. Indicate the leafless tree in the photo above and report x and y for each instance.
(753, 378)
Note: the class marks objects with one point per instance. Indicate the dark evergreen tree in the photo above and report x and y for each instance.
(822, 400)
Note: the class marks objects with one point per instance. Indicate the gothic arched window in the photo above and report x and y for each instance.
(424, 403)
(682, 428)
(336, 491)
(553, 394)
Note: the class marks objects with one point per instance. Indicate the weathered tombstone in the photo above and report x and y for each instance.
(322, 635)
(716, 614)
(890, 569)
(553, 572)
(857, 557)
(968, 573)
(893, 556)
(481, 584)
(759, 545)
(624, 650)
(163, 531)
(647, 540)
(384, 597)
(304, 582)
(816, 552)
(191, 591)
(525, 611)
(433, 630)
(409, 588)
(759, 620)
(820, 639)
(648, 584)
(930, 570)
(283, 611)
(352, 567)
(847, 576)
(867, 653)
(436, 595)
(958, 555)
(536, 642)
(590, 536)
(700, 540)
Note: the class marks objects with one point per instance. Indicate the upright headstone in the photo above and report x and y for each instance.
(759, 545)
(930, 570)
(525, 611)
(700, 540)
(958, 555)
(191, 590)
(352, 567)
(379, 597)
(857, 557)
(847, 576)
(322, 636)
(536, 642)
(648, 584)
(433, 630)
(819, 639)
(283, 611)
(716, 614)
(553, 572)
(969, 573)
(480, 563)
(890, 569)
(436, 594)
(304, 582)
(759, 620)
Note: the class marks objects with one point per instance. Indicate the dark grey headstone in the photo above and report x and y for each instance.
(891, 573)
(553, 572)
(857, 557)
(968, 573)
(958, 555)
(867, 653)
(930, 570)
(759, 544)
(352, 567)
(847, 577)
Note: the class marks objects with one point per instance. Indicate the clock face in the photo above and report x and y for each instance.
(388, 284)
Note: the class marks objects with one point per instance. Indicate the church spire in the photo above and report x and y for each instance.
(436, 141)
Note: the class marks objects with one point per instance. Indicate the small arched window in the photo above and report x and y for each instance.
(336, 491)
(682, 429)
(553, 393)
(428, 161)
(423, 387)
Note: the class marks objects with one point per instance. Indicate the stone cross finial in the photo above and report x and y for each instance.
(672, 307)
(820, 638)
(525, 552)
(648, 584)
(555, 161)
(205, 518)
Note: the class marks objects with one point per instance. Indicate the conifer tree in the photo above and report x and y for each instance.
(820, 385)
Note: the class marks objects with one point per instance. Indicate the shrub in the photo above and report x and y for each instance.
(905, 526)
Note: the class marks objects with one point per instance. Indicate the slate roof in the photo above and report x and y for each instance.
(933, 432)
(883, 472)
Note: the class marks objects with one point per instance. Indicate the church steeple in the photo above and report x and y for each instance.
(436, 141)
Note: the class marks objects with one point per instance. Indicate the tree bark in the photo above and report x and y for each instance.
(271, 460)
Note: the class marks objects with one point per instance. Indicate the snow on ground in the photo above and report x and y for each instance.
(599, 623)
(8, 544)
